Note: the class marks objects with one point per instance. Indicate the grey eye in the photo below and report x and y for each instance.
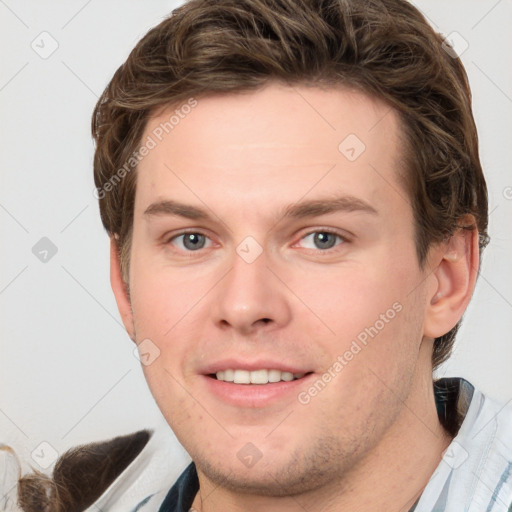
(192, 241)
(321, 240)
(324, 240)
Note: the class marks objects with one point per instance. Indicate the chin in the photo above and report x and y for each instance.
(282, 473)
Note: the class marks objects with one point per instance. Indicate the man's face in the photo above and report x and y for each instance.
(286, 244)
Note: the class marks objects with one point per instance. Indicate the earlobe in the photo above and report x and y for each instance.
(454, 278)
(120, 289)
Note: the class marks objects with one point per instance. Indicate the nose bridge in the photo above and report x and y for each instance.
(249, 294)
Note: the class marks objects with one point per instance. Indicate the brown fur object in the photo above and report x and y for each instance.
(80, 476)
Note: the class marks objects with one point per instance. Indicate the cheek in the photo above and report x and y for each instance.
(352, 299)
(370, 319)
(182, 413)
(370, 365)
(163, 298)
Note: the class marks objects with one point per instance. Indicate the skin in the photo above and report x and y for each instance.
(245, 158)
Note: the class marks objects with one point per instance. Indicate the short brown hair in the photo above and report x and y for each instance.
(384, 48)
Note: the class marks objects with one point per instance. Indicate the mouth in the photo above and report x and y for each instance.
(256, 387)
(261, 383)
(258, 377)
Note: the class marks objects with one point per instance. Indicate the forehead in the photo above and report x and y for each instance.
(282, 140)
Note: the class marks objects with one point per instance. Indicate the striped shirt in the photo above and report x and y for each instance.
(475, 473)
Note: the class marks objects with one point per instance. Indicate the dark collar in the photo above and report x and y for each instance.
(453, 396)
(182, 494)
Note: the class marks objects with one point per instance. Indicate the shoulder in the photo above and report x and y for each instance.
(476, 468)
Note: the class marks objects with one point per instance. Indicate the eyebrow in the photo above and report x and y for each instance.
(316, 207)
(168, 207)
(310, 208)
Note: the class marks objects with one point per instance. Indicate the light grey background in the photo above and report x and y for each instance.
(67, 370)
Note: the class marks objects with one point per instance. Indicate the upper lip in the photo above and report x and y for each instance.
(260, 364)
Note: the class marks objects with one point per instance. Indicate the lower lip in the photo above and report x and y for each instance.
(255, 395)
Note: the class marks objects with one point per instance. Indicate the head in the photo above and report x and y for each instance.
(323, 158)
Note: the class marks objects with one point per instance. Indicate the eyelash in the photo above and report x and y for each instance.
(343, 239)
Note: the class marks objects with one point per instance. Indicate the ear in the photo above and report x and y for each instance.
(453, 281)
(120, 290)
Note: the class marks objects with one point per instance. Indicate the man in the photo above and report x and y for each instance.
(297, 211)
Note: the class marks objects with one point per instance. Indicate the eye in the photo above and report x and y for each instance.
(190, 241)
(321, 240)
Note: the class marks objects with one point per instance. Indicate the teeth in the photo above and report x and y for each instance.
(256, 376)
(242, 377)
(259, 377)
(274, 376)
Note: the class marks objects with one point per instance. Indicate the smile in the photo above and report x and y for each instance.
(262, 376)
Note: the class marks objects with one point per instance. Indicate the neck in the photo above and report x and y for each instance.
(391, 477)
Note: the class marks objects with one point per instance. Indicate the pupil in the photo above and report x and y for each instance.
(324, 240)
(193, 241)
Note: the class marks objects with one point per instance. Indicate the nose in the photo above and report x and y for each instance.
(251, 298)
